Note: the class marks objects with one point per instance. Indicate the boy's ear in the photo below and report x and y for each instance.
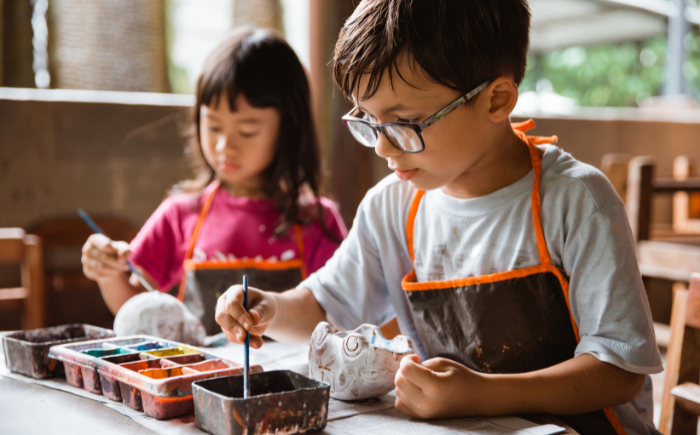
(502, 95)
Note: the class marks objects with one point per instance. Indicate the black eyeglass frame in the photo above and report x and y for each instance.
(417, 127)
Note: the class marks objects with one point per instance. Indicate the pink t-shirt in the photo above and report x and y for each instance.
(234, 228)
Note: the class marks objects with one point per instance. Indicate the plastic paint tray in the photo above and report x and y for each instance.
(281, 402)
(27, 352)
(133, 370)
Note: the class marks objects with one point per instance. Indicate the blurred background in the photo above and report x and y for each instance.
(95, 97)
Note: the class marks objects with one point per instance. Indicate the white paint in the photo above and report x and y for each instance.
(359, 364)
(160, 315)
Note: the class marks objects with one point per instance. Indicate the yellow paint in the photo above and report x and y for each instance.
(180, 350)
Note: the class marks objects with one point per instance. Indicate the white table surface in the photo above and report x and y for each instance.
(27, 408)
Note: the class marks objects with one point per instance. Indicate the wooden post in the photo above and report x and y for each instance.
(349, 166)
(33, 274)
(17, 51)
(639, 191)
(680, 303)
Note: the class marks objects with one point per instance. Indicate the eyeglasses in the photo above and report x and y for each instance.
(406, 136)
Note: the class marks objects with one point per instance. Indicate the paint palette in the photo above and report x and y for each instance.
(27, 352)
(280, 402)
(146, 373)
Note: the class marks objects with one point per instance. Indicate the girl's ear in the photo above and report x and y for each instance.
(502, 95)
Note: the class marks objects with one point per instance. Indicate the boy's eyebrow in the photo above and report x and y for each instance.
(395, 108)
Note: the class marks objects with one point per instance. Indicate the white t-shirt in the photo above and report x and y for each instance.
(587, 234)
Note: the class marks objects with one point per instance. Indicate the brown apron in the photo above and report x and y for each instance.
(204, 281)
(509, 322)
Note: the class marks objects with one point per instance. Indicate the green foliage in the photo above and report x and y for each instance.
(612, 74)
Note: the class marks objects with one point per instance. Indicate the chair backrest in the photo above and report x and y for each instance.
(642, 185)
(75, 298)
(682, 358)
(24, 250)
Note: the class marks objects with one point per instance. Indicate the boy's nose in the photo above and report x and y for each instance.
(385, 149)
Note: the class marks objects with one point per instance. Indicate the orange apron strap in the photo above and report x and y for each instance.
(411, 221)
(195, 234)
(520, 130)
(300, 248)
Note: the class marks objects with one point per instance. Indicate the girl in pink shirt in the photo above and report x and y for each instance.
(253, 206)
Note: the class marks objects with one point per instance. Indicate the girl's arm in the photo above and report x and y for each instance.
(440, 388)
(104, 261)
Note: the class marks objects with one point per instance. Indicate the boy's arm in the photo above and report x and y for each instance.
(290, 317)
(441, 388)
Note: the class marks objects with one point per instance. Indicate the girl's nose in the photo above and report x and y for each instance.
(221, 143)
(385, 149)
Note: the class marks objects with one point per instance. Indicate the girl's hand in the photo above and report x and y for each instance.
(439, 388)
(103, 259)
(234, 321)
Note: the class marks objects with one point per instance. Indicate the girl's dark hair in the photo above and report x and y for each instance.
(261, 66)
(458, 43)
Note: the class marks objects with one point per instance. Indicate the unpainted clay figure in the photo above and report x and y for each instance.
(359, 364)
(160, 315)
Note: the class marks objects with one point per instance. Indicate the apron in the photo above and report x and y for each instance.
(204, 281)
(509, 322)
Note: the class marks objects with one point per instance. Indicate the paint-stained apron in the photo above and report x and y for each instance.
(204, 281)
(509, 322)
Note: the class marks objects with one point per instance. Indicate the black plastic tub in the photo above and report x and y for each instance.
(280, 402)
(27, 352)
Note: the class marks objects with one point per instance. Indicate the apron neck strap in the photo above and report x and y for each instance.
(530, 141)
(202, 217)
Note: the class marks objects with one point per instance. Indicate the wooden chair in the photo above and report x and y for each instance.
(661, 253)
(680, 404)
(75, 298)
(18, 248)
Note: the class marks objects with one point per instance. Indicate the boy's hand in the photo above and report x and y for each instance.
(104, 259)
(439, 388)
(234, 320)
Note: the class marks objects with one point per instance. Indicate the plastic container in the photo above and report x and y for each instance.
(144, 372)
(27, 352)
(280, 402)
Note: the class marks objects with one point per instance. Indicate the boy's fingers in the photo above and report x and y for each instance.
(438, 364)
(409, 389)
(401, 407)
(414, 372)
(256, 341)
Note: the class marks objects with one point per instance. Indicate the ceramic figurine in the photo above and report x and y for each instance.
(359, 364)
(160, 315)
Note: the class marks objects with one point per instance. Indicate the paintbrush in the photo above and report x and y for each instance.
(246, 345)
(93, 226)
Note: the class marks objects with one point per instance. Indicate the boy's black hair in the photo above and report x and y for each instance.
(260, 65)
(458, 43)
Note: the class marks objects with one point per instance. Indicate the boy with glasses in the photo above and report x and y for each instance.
(509, 264)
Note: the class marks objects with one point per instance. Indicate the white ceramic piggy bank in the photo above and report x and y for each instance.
(359, 364)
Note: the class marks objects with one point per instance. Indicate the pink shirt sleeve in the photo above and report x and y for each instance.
(323, 248)
(155, 247)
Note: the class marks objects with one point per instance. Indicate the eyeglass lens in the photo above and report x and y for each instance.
(404, 138)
